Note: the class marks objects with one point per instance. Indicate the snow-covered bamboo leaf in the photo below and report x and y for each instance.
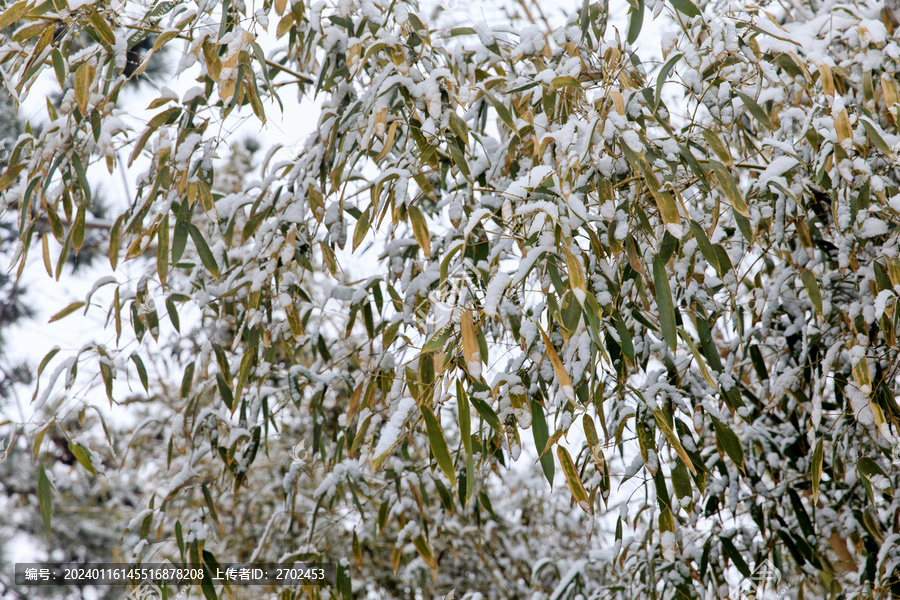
(562, 376)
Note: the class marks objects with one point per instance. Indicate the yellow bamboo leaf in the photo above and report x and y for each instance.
(618, 101)
(420, 229)
(842, 125)
(827, 79)
(392, 131)
(565, 382)
(576, 276)
(471, 351)
(84, 75)
(572, 478)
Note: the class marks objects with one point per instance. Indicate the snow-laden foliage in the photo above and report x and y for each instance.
(691, 265)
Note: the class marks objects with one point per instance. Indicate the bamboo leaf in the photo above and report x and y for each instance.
(576, 276)
(362, 227)
(869, 469)
(45, 500)
(686, 7)
(729, 442)
(142, 370)
(663, 423)
(388, 141)
(9, 176)
(83, 457)
(78, 229)
(816, 469)
(206, 255)
(756, 110)
(59, 67)
(84, 75)
(487, 413)
(438, 444)
(420, 229)
(729, 186)
(424, 551)
(701, 364)
(106, 34)
(575, 485)
(502, 112)
(812, 288)
(66, 311)
(471, 350)
(13, 13)
(541, 434)
(665, 303)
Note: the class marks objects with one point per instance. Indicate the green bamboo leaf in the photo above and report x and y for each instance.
(868, 470)
(45, 500)
(187, 380)
(173, 314)
(502, 112)
(816, 469)
(487, 413)
(681, 481)
(665, 303)
(663, 75)
(686, 7)
(636, 21)
(729, 186)
(729, 442)
(812, 288)
(756, 110)
(162, 250)
(438, 444)
(700, 362)
(206, 255)
(875, 137)
(141, 369)
(225, 391)
(718, 146)
(83, 457)
(106, 34)
(541, 434)
(572, 478)
(437, 341)
(209, 502)
(179, 240)
(82, 179)
(362, 227)
(59, 67)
